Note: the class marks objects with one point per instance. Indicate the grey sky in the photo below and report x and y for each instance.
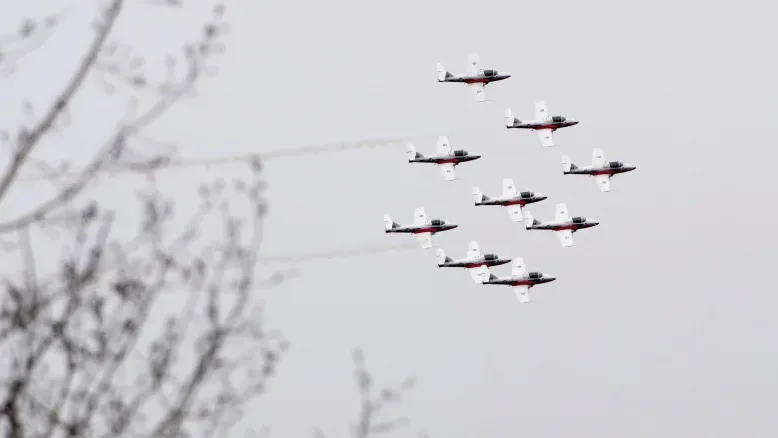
(661, 320)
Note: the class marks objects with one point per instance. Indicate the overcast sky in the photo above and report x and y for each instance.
(662, 320)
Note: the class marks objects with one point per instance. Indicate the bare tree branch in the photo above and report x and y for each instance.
(28, 139)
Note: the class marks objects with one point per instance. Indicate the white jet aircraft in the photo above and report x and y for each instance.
(520, 280)
(476, 77)
(563, 225)
(543, 124)
(601, 169)
(478, 264)
(421, 227)
(511, 198)
(445, 158)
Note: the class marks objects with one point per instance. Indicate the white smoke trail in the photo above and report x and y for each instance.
(336, 254)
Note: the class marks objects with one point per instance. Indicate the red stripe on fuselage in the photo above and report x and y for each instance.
(604, 172)
(517, 202)
(522, 283)
(552, 127)
(566, 227)
(425, 230)
(448, 160)
(477, 81)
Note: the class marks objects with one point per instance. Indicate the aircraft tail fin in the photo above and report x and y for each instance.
(412, 153)
(567, 165)
(529, 220)
(389, 223)
(478, 196)
(510, 119)
(441, 256)
(443, 74)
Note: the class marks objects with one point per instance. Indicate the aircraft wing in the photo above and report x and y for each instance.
(565, 237)
(522, 293)
(518, 268)
(546, 137)
(508, 187)
(447, 169)
(541, 111)
(474, 64)
(562, 215)
(443, 147)
(425, 239)
(515, 212)
(598, 158)
(473, 251)
(419, 216)
(604, 182)
(478, 90)
(479, 274)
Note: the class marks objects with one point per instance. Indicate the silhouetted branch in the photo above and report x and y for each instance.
(102, 56)
(31, 35)
(73, 342)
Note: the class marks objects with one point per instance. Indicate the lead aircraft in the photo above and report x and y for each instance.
(520, 280)
(601, 169)
(511, 198)
(475, 262)
(543, 124)
(422, 228)
(563, 225)
(476, 77)
(445, 158)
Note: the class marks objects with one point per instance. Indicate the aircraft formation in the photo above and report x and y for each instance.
(445, 158)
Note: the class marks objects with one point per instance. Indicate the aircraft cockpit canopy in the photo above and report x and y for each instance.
(535, 275)
(558, 119)
(579, 220)
(526, 194)
(490, 257)
(460, 153)
(437, 222)
(490, 72)
(615, 164)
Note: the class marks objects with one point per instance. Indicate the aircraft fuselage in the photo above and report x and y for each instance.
(561, 226)
(473, 263)
(476, 79)
(600, 170)
(543, 124)
(426, 228)
(514, 200)
(524, 280)
(445, 159)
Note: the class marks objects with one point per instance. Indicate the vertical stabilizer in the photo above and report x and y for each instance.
(510, 119)
(389, 223)
(478, 196)
(441, 256)
(411, 153)
(529, 220)
(567, 165)
(443, 74)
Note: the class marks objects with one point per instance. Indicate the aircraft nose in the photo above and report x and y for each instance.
(549, 277)
(541, 196)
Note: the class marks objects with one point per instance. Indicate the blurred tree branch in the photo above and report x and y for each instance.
(114, 61)
(158, 334)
